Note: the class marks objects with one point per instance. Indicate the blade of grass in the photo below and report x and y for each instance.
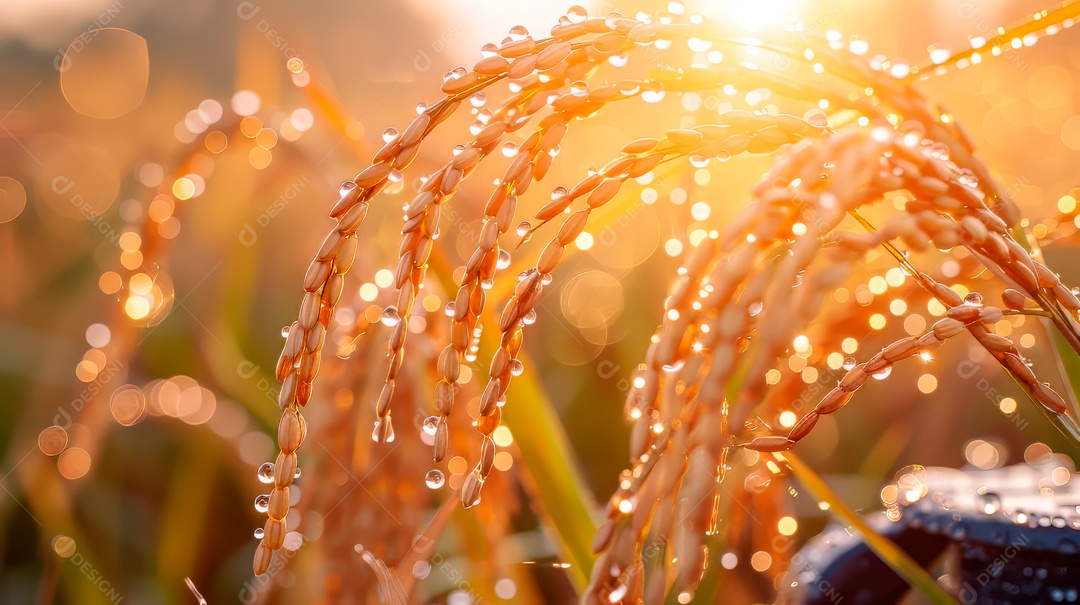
(889, 552)
(546, 453)
(1069, 365)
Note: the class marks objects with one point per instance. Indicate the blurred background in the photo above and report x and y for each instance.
(165, 174)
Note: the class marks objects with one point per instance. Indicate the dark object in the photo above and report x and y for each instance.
(1009, 536)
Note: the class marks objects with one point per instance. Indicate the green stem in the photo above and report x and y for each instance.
(884, 548)
(548, 456)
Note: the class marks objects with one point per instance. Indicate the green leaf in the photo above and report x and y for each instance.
(546, 453)
(884, 548)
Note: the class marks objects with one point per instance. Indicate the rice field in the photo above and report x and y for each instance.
(627, 308)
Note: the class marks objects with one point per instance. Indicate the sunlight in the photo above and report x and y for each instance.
(759, 13)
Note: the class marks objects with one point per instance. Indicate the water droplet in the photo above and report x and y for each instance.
(849, 362)
(516, 367)
(421, 107)
(938, 151)
(673, 367)
(619, 60)
(530, 317)
(487, 283)
(296, 475)
(698, 161)
(652, 96)
(259, 533)
(546, 278)
(395, 176)
(973, 299)
(346, 187)
(579, 89)
(523, 228)
(559, 192)
(266, 472)
(968, 178)
(489, 50)
(449, 308)
(478, 99)
(528, 272)
(989, 503)
(883, 373)
(504, 260)
(389, 432)
(509, 149)
(612, 19)
(434, 478)
(390, 317)
(629, 89)
(577, 14)
(431, 425)
(285, 331)
(389, 134)
(755, 308)
(518, 33)
(262, 503)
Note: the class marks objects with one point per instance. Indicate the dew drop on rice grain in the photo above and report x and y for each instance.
(390, 317)
(434, 479)
(266, 473)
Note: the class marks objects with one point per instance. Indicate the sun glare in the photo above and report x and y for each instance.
(756, 14)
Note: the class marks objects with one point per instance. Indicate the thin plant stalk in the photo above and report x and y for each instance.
(890, 553)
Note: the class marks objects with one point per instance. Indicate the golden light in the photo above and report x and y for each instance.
(183, 188)
(502, 436)
(368, 291)
(787, 526)
(137, 307)
(73, 463)
(755, 15)
(787, 419)
(849, 345)
(584, 241)
(927, 383)
(53, 440)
